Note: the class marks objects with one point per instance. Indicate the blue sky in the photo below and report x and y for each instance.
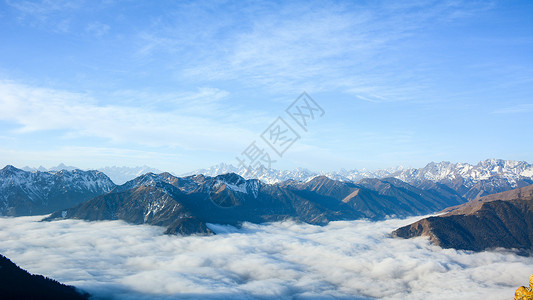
(185, 85)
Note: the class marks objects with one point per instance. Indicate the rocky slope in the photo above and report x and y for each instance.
(499, 220)
(33, 193)
(185, 205)
(16, 283)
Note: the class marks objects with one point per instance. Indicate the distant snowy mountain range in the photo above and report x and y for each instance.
(470, 181)
(118, 175)
(272, 176)
(511, 170)
(59, 167)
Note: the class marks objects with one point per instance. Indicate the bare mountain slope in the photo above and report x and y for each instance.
(499, 220)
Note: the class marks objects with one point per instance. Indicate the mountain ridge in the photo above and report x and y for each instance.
(31, 193)
(118, 175)
(186, 204)
(499, 220)
(432, 171)
(475, 180)
(470, 181)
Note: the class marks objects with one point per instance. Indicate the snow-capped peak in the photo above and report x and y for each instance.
(511, 170)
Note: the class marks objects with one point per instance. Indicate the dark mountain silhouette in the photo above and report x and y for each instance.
(16, 283)
(499, 220)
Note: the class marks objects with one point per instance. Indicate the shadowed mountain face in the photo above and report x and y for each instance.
(25, 193)
(379, 198)
(499, 220)
(185, 205)
(16, 283)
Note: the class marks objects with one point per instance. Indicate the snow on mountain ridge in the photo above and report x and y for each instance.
(119, 175)
(23, 192)
(244, 186)
(273, 176)
(484, 170)
(37, 180)
(511, 170)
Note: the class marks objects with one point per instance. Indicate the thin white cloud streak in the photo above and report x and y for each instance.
(519, 108)
(344, 260)
(97, 29)
(41, 9)
(53, 15)
(195, 122)
(307, 45)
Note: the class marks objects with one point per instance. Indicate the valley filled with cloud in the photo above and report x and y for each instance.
(285, 260)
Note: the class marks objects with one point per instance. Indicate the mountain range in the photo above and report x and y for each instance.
(498, 220)
(299, 174)
(186, 205)
(32, 193)
(470, 181)
(118, 175)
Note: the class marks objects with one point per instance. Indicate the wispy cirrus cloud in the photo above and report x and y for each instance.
(225, 68)
(519, 108)
(313, 46)
(59, 16)
(97, 29)
(43, 8)
(50, 14)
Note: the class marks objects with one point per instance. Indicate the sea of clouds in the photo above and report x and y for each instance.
(286, 260)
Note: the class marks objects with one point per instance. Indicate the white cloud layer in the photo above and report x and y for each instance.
(344, 260)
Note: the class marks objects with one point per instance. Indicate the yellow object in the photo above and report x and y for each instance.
(525, 293)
